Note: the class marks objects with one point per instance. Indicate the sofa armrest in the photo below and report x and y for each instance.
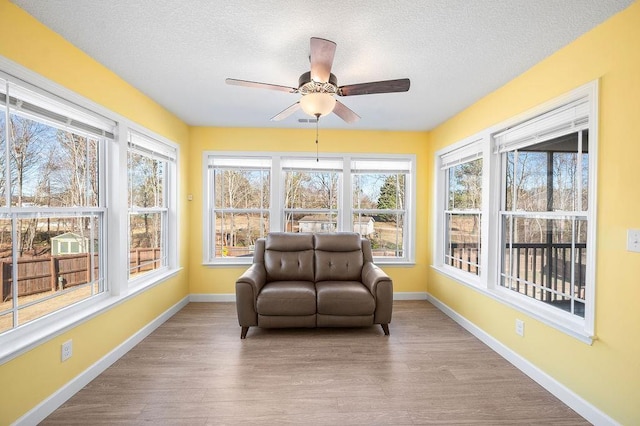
(381, 287)
(255, 275)
(248, 285)
(372, 276)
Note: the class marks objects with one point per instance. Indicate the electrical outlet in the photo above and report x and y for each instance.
(633, 240)
(66, 350)
(520, 327)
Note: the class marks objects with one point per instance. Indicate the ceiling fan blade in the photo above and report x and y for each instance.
(387, 86)
(342, 111)
(246, 83)
(286, 112)
(321, 57)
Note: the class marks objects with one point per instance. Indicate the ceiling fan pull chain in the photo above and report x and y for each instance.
(317, 124)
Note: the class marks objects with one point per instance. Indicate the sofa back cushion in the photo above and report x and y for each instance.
(289, 257)
(338, 257)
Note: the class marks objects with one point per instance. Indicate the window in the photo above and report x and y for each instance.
(63, 253)
(240, 190)
(463, 211)
(545, 209)
(379, 204)
(515, 212)
(150, 165)
(52, 205)
(311, 194)
(251, 195)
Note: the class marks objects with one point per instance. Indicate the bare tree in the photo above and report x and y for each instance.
(146, 190)
(28, 140)
(74, 180)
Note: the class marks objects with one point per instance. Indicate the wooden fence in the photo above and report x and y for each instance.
(144, 259)
(42, 274)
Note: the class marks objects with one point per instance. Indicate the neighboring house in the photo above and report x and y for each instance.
(317, 224)
(324, 224)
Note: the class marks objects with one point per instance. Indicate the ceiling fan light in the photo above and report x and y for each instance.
(317, 104)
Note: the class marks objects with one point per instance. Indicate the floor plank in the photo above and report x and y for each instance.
(195, 370)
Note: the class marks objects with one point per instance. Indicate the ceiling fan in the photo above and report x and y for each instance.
(319, 86)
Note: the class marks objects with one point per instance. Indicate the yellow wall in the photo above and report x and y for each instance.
(606, 374)
(207, 279)
(30, 378)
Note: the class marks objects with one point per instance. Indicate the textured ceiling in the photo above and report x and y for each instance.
(179, 52)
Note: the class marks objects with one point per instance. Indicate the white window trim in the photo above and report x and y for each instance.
(171, 151)
(26, 337)
(466, 150)
(345, 222)
(488, 281)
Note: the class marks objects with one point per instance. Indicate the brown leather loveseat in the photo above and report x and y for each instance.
(313, 280)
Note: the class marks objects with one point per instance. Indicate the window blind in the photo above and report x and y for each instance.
(561, 121)
(151, 147)
(463, 154)
(56, 113)
(380, 166)
(310, 164)
(240, 163)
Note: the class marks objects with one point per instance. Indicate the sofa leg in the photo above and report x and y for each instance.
(243, 333)
(385, 328)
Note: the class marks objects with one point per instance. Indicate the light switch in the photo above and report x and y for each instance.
(633, 240)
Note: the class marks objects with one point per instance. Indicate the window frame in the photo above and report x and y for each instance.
(463, 152)
(277, 209)
(113, 177)
(157, 148)
(494, 169)
(313, 165)
(393, 166)
(33, 104)
(228, 161)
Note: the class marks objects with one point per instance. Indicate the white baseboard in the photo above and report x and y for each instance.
(564, 394)
(206, 297)
(230, 297)
(406, 295)
(49, 405)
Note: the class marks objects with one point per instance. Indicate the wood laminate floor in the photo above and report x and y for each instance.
(195, 370)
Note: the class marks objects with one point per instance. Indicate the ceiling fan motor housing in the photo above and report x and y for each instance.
(306, 85)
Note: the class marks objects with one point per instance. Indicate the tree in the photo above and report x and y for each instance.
(465, 183)
(391, 196)
(233, 190)
(75, 179)
(146, 191)
(28, 139)
(27, 143)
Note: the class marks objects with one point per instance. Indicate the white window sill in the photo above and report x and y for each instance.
(553, 317)
(22, 339)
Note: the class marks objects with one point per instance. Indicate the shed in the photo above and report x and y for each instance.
(364, 226)
(69, 243)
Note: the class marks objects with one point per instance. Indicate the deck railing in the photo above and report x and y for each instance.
(547, 265)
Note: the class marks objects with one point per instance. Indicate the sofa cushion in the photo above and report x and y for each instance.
(287, 298)
(338, 241)
(338, 266)
(289, 265)
(344, 298)
(288, 241)
(289, 256)
(338, 256)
